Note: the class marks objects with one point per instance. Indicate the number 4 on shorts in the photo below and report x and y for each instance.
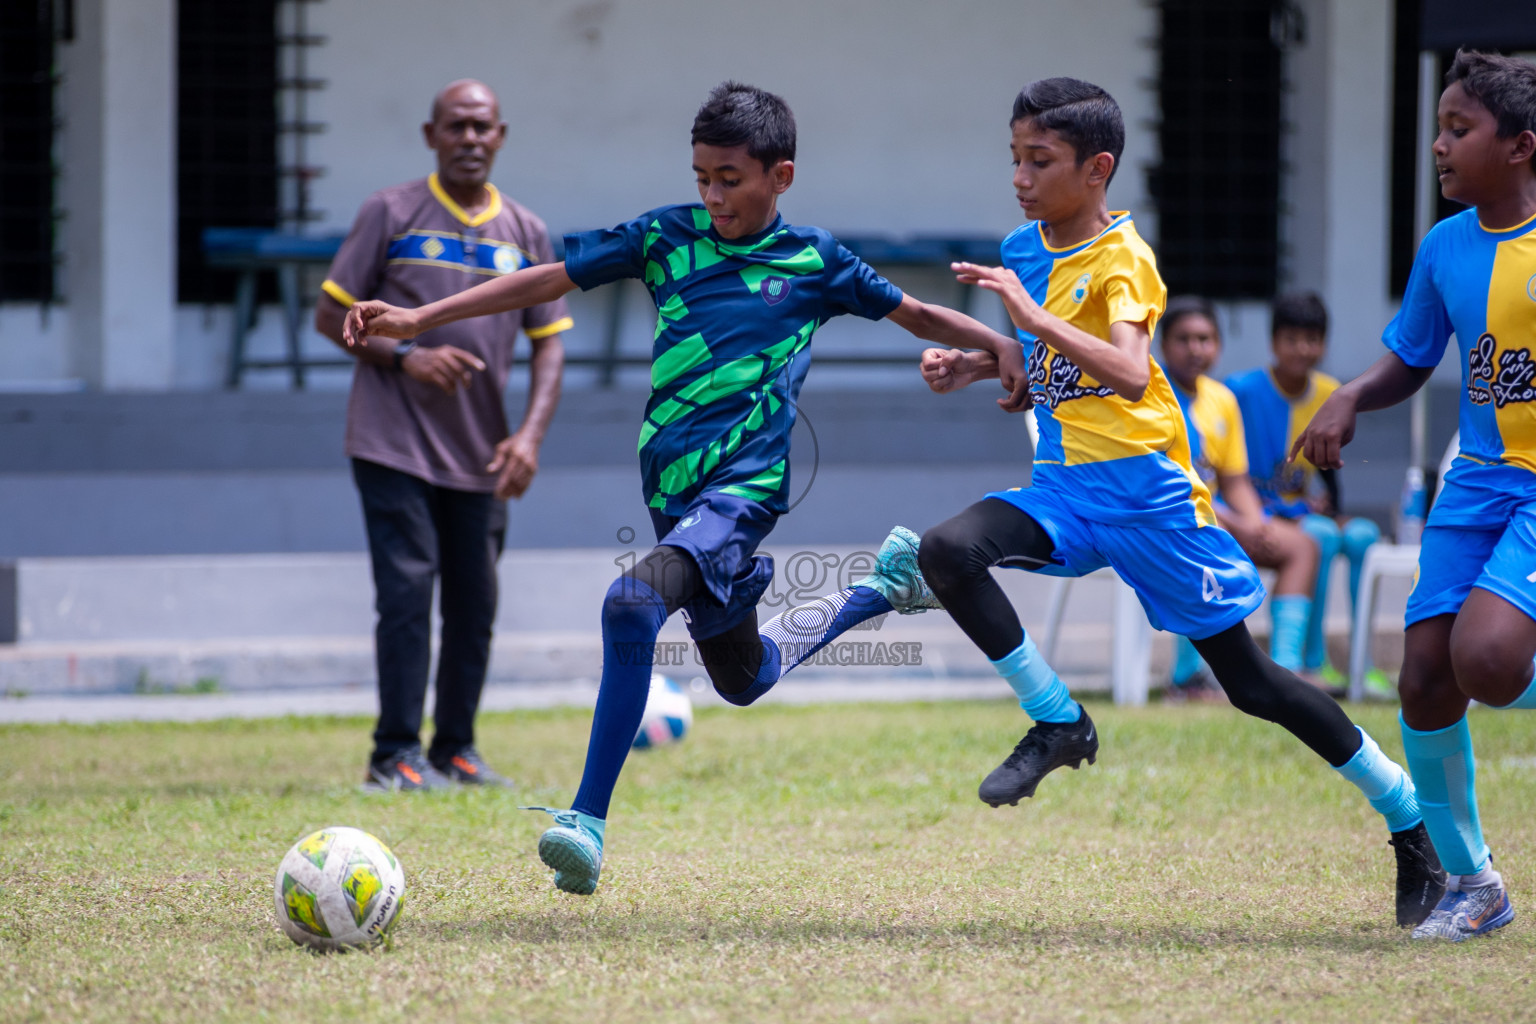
(1210, 589)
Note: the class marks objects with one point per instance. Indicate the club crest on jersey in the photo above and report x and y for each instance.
(1081, 291)
(1530, 288)
(506, 259)
(775, 290)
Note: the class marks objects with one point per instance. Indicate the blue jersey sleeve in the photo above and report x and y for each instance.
(1422, 327)
(854, 287)
(595, 258)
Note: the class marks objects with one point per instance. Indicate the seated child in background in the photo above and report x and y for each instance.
(1277, 403)
(1191, 344)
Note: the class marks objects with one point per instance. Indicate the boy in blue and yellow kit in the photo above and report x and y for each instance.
(739, 294)
(1114, 483)
(1278, 401)
(1191, 343)
(1471, 618)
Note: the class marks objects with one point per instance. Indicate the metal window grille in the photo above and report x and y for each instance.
(227, 130)
(28, 219)
(1217, 186)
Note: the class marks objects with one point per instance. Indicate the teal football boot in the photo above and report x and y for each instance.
(897, 577)
(574, 848)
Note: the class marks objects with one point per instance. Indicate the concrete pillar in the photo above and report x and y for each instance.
(118, 150)
(1338, 193)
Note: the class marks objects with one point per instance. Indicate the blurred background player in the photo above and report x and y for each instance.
(1113, 482)
(432, 454)
(1191, 344)
(739, 294)
(1471, 618)
(1277, 403)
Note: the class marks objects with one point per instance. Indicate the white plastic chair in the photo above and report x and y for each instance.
(1131, 649)
(1381, 561)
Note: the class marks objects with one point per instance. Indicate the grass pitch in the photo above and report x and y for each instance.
(817, 863)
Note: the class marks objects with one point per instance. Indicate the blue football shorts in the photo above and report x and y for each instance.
(721, 532)
(1454, 559)
(1192, 581)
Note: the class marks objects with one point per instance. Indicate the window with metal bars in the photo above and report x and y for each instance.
(227, 126)
(27, 172)
(1217, 185)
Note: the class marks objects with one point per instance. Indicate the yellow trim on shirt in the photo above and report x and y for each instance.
(565, 323)
(1505, 231)
(338, 293)
(490, 211)
(1115, 216)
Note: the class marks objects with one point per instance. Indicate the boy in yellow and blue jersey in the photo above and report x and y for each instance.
(1191, 343)
(1471, 618)
(1114, 482)
(739, 293)
(1278, 402)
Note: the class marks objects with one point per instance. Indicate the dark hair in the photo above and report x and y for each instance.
(1084, 115)
(1303, 311)
(1181, 306)
(1506, 86)
(737, 114)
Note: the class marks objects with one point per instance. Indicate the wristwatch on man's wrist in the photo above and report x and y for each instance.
(402, 350)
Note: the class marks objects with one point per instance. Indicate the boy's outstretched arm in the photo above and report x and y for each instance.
(518, 290)
(1123, 365)
(950, 369)
(1387, 382)
(949, 327)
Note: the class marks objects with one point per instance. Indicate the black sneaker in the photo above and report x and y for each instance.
(468, 767)
(1046, 747)
(1420, 878)
(406, 771)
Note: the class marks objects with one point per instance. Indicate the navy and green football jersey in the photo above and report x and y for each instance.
(733, 330)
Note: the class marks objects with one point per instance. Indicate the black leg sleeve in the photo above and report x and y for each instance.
(956, 555)
(1259, 687)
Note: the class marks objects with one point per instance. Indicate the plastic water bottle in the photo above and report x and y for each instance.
(1411, 507)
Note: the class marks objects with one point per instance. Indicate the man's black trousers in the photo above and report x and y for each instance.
(419, 533)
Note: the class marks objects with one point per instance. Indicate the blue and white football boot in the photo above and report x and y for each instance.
(574, 848)
(897, 577)
(1463, 914)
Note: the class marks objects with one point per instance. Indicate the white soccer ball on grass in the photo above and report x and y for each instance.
(339, 888)
(668, 714)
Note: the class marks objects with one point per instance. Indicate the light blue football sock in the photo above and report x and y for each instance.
(1445, 774)
(1187, 662)
(1325, 532)
(1042, 694)
(1357, 537)
(1525, 702)
(1385, 785)
(1289, 614)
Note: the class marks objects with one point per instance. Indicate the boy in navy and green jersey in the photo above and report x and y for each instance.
(1471, 617)
(1278, 401)
(739, 294)
(1114, 481)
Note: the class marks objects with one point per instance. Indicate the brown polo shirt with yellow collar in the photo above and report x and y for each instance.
(410, 245)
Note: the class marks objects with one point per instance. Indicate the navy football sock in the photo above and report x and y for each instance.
(796, 635)
(633, 614)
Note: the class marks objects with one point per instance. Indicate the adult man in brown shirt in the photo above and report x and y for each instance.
(432, 454)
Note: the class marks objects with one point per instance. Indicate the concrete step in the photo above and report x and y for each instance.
(292, 622)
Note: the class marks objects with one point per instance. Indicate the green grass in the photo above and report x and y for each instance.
(823, 863)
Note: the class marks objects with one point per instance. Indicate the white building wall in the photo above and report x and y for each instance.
(902, 109)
